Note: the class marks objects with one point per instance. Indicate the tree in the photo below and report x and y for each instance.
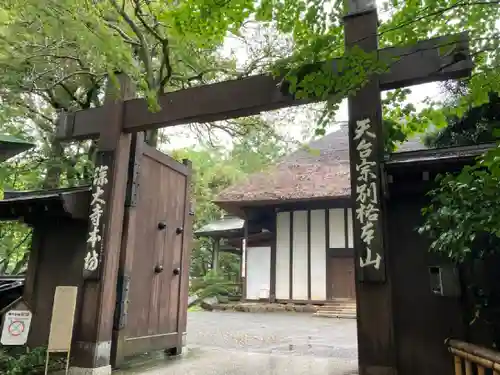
(477, 126)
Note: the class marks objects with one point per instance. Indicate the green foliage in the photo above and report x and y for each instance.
(462, 219)
(318, 35)
(15, 240)
(61, 50)
(412, 20)
(464, 216)
(24, 361)
(211, 285)
(478, 125)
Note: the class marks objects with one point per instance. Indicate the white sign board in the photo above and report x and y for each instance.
(16, 327)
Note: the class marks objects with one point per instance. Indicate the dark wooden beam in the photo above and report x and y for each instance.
(435, 59)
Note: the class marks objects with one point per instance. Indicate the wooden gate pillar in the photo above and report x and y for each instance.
(91, 353)
(377, 355)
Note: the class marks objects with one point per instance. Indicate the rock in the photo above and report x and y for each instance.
(310, 308)
(192, 298)
(277, 308)
(208, 303)
(239, 307)
(223, 299)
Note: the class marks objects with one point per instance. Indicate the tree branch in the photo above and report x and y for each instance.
(122, 33)
(143, 47)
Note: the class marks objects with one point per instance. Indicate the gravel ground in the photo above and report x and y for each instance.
(228, 343)
(290, 333)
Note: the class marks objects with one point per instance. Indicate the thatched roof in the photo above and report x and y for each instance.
(320, 172)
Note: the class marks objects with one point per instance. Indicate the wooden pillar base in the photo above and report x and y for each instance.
(91, 355)
(105, 370)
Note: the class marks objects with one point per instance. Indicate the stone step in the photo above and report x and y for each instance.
(334, 307)
(338, 306)
(346, 301)
(338, 315)
(338, 309)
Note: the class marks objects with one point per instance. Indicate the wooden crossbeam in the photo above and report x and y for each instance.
(431, 60)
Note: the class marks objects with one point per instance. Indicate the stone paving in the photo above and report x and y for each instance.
(230, 343)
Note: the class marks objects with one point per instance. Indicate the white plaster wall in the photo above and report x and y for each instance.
(350, 232)
(258, 272)
(318, 255)
(283, 255)
(337, 229)
(300, 265)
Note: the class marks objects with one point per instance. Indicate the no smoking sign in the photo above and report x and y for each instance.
(16, 327)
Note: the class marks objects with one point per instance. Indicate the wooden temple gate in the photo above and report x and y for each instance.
(424, 62)
(108, 327)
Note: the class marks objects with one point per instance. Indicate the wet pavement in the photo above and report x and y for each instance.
(225, 343)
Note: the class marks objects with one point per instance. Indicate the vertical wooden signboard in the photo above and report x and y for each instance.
(99, 209)
(62, 322)
(366, 145)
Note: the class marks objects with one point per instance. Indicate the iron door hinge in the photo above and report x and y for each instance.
(133, 187)
(122, 300)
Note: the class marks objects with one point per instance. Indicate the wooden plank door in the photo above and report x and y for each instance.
(341, 276)
(156, 258)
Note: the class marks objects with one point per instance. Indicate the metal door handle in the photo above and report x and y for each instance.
(158, 269)
(177, 271)
(179, 230)
(162, 225)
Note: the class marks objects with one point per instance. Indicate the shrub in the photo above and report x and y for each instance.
(25, 361)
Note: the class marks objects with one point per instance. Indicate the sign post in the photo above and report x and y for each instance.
(16, 328)
(61, 323)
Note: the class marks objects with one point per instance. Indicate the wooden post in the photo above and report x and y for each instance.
(185, 260)
(377, 354)
(127, 249)
(93, 348)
